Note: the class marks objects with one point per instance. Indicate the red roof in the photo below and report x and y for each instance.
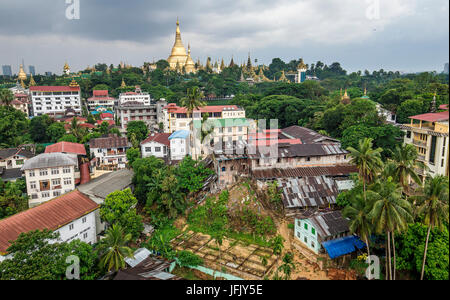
(50, 215)
(275, 142)
(100, 93)
(443, 107)
(87, 125)
(106, 115)
(79, 119)
(54, 89)
(173, 108)
(66, 147)
(110, 122)
(162, 138)
(432, 117)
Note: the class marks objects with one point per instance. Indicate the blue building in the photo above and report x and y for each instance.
(32, 70)
(7, 71)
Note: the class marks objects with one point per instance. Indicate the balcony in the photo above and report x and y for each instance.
(421, 158)
(420, 143)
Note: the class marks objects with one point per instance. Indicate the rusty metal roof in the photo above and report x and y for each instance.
(306, 135)
(301, 150)
(329, 224)
(339, 170)
(307, 192)
(50, 215)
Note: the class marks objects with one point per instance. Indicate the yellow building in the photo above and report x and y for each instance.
(429, 134)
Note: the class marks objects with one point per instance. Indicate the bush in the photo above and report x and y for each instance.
(188, 259)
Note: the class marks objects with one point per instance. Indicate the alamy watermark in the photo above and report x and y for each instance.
(73, 9)
(73, 270)
(373, 271)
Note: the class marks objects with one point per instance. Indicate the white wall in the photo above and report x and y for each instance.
(151, 146)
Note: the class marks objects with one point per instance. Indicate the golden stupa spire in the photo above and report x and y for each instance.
(123, 85)
(32, 82)
(189, 65)
(22, 83)
(22, 75)
(74, 83)
(178, 54)
(283, 77)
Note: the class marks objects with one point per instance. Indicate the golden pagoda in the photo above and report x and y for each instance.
(263, 77)
(123, 85)
(283, 77)
(231, 62)
(74, 83)
(22, 83)
(222, 65)
(66, 69)
(22, 75)
(301, 65)
(178, 54)
(346, 98)
(32, 82)
(189, 66)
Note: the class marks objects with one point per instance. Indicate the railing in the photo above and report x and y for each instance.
(420, 143)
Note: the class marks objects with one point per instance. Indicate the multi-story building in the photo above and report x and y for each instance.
(49, 175)
(110, 151)
(55, 100)
(71, 215)
(7, 71)
(179, 145)
(32, 70)
(11, 162)
(177, 118)
(157, 144)
(136, 96)
(21, 102)
(100, 98)
(429, 134)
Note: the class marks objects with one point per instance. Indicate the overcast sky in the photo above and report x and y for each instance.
(406, 35)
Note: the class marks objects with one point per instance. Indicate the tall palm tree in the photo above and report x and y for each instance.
(114, 250)
(432, 204)
(76, 129)
(192, 102)
(6, 97)
(405, 160)
(367, 160)
(360, 223)
(390, 213)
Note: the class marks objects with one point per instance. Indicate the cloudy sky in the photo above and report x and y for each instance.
(405, 35)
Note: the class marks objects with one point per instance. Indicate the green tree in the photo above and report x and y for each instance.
(433, 207)
(56, 131)
(13, 127)
(390, 213)
(113, 249)
(76, 130)
(6, 97)
(191, 174)
(38, 128)
(367, 160)
(287, 266)
(137, 131)
(405, 159)
(277, 244)
(132, 155)
(119, 208)
(12, 199)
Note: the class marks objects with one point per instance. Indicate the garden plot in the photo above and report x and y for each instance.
(237, 258)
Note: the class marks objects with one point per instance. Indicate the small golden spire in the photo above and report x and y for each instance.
(22, 75)
(32, 82)
(74, 83)
(22, 83)
(123, 85)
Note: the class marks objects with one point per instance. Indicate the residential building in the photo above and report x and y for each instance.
(136, 96)
(177, 118)
(136, 111)
(11, 162)
(21, 103)
(157, 144)
(66, 147)
(327, 232)
(100, 98)
(55, 100)
(429, 134)
(49, 175)
(179, 144)
(71, 215)
(110, 151)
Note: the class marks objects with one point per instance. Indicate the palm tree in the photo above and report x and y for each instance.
(288, 265)
(192, 102)
(405, 160)
(360, 224)
(367, 160)
(390, 213)
(433, 206)
(114, 250)
(6, 97)
(76, 129)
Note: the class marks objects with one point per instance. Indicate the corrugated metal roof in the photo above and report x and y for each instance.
(66, 147)
(50, 160)
(343, 170)
(49, 215)
(305, 192)
(343, 246)
(180, 134)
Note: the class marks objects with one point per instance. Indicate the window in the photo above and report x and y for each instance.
(34, 196)
(32, 184)
(71, 227)
(56, 193)
(240, 128)
(55, 171)
(67, 181)
(84, 220)
(43, 172)
(313, 230)
(31, 174)
(148, 149)
(45, 195)
(230, 129)
(306, 226)
(224, 169)
(306, 240)
(408, 134)
(313, 245)
(19, 162)
(56, 181)
(85, 235)
(66, 170)
(157, 149)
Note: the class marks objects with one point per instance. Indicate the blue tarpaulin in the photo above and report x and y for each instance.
(343, 246)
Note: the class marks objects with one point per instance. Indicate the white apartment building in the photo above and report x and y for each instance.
(136, 96)
(71, 215)
(177, 118)
(180, 145)
(157, 145)
(110, 151)
(100, 98)
(55, 100)
(49, 175)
